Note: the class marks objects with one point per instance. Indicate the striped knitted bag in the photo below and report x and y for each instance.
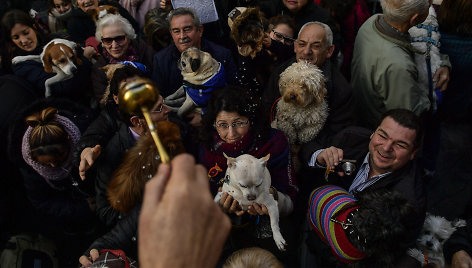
(333, 202)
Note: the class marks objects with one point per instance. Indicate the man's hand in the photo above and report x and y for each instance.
(330, 157)
(165, 4)
(229, 205)
(195, 119)
(441, 78)
(87, 261)
(461, 259)
(87, 158)
(180, 225)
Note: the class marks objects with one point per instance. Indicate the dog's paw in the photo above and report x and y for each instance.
(16, 60)
(280, 242)
(417, 254)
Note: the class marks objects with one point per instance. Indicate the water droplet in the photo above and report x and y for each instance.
(140, 153)
(133, 238)
(144, 167)
(149, 176)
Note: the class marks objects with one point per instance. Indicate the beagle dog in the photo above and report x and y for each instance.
(59, 56)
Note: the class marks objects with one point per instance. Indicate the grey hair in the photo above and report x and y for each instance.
(328, 32)
(400, 11)
(184, 11)
(110, 19)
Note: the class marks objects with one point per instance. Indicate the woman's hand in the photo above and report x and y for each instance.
(257, 209)
(229, 205)
(87, 261)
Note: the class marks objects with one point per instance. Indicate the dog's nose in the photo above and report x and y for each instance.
(74, 70)
(292, 96)
(251, 197)
(429, 244)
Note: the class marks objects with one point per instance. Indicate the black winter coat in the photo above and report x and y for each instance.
(459, 240)
(81, 26)
(123, 236)
(63, 208)
(167, 75)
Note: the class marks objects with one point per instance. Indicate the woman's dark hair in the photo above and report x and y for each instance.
(233, 99)
(340, 9)
(454, 17)
(283, 19)
(9, 20)
(48, 137)
(121, 74)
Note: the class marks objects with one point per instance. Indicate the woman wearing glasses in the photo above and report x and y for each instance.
(118, 43)
(234, 126)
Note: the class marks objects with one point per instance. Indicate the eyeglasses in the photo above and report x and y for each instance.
(158, 109)
(118, 39)
(281, 37)
(237, 124)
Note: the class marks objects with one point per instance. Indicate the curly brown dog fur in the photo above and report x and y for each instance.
(247, 30)
(139, 164)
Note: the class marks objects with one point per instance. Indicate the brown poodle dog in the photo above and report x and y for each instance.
(139, 164)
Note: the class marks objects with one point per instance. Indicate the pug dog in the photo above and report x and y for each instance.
(248, 181)
(202, 74)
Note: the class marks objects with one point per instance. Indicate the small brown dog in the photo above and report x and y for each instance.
(247, 30)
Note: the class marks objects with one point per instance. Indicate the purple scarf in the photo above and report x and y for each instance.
(130, 55)
(52, 173)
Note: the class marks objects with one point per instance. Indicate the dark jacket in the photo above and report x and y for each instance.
(408, 180)
(107, 163)
(459, 240)
(144, 53)
(123, 236)
(73, 89)
(340, 100)
(61, 208)
(167, 75)
(81, 26)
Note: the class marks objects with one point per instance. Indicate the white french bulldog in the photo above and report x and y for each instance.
(248, 181)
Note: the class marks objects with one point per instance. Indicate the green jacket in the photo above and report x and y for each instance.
(384, 75)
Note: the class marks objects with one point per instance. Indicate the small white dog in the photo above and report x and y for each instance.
(425, 38)
(58, 56)
(436, 230)
(248, 181)
(302, 110)
(201, 74)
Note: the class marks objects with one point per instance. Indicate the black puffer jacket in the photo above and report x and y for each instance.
(123, 236)
(65, 207)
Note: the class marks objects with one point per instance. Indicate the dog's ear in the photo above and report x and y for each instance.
(265, 159)
(112, 9)
(231, 162)
(195, 64)
(47, 62)
(78, 60)
(93, 13)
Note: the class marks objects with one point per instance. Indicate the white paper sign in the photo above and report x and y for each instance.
(205, 9)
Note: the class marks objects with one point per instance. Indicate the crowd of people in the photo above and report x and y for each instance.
(83, 171)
